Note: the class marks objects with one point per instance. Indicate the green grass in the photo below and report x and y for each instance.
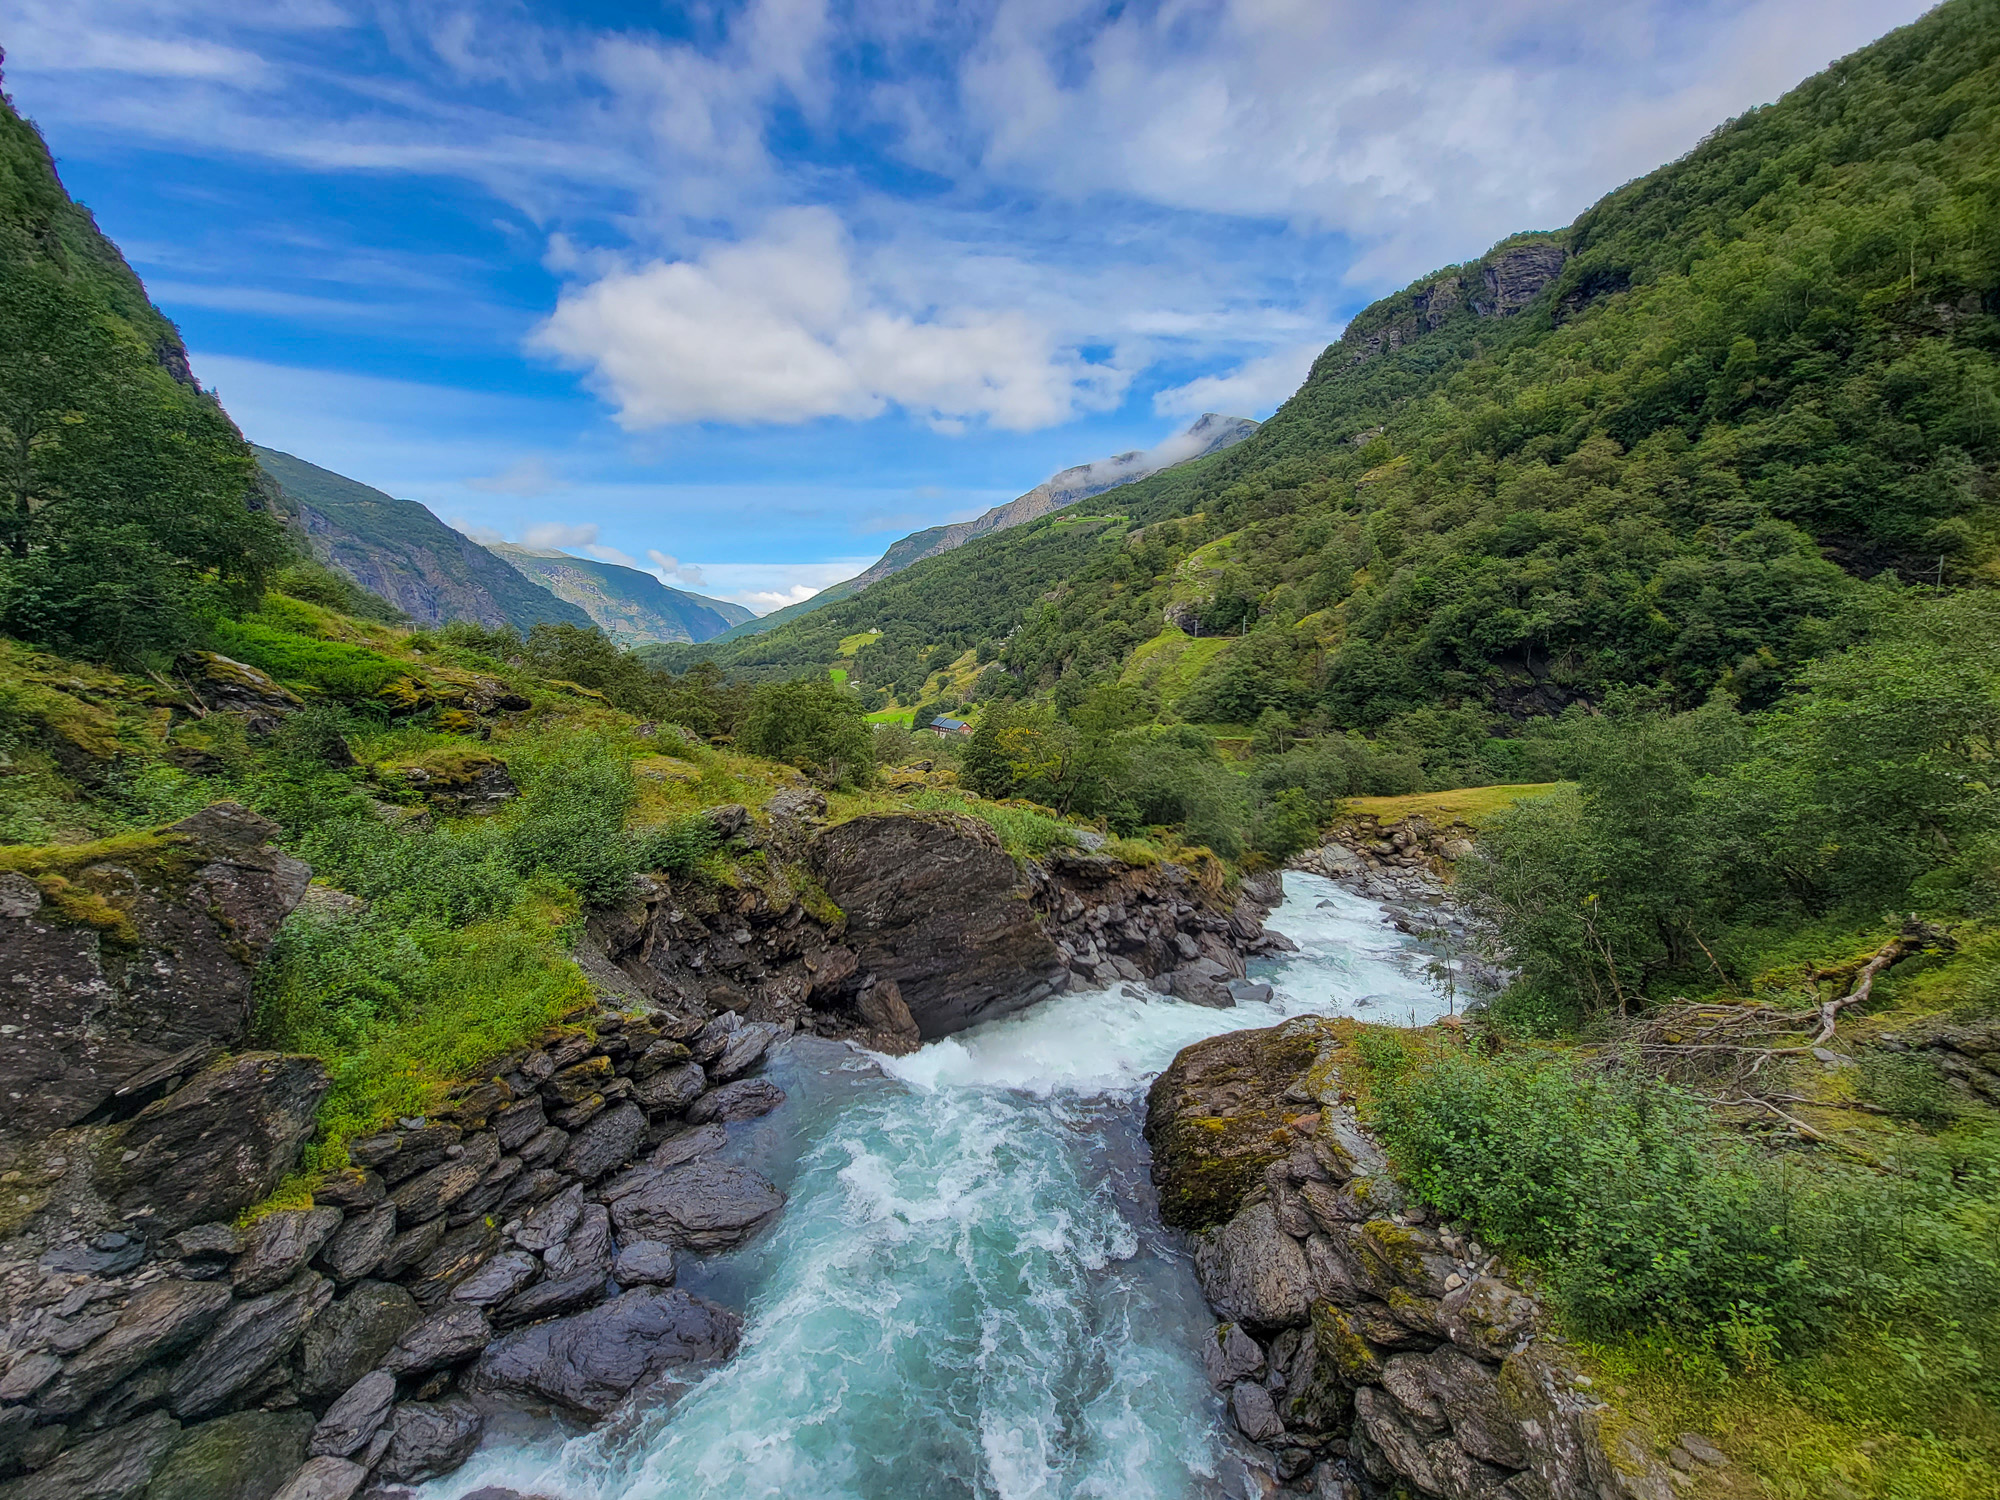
(903, 716)
(298, 661)
(838, 674)
(1171, 660)
(1025, 833)
(1472, 804)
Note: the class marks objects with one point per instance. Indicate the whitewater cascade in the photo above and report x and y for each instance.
(969, 1294)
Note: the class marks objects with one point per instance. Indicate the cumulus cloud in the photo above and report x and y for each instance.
(783, 328)
(1254, 388)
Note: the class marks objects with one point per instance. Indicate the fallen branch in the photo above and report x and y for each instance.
(1915, 937)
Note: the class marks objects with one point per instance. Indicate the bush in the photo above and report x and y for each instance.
(1638, 1210)
(351, 673)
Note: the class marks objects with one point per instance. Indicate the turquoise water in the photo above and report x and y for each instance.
(968, 1294)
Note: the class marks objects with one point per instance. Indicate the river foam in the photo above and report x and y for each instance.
(968, 1294)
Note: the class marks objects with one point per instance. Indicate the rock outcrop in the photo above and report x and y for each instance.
(1369, 1349)
(1503, 282)
(129, 962)
(898, 928)
(521, 1244)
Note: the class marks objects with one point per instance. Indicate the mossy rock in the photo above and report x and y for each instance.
(1219, 1116)
(245, 1456)
(94, 884)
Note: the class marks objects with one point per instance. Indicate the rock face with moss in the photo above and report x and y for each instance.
(1370, 1350)
(130, 959)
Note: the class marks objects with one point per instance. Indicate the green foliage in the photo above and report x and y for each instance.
(700, 699)
(1643, 1213)
(347, 672)
(813, 724)
(305, 579)
(1865, 790)
(679, 848)
(126, 520)
(400, 1008)
(1024, 832)
(571, 822)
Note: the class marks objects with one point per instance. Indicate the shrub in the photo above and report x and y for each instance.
(813, 724)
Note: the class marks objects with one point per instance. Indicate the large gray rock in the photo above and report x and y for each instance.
(497, 1280)
(89, 1007)
(429, 1438)
(158, 1320)
(1468, 1394)
(247, 1455)
(604, 1143)
(218, 1144)
(704, 1140)
(705, 1206)
(456, 1257)
(548, 1299)
(449, 1336)
(592, 1361)
(245, 1342)
(644, 1263)
(278, 1244)
(116, 1465)
(325, 1478)
(672, 1090)
(745, 1099)
(355, 1418)
(588, 1248)
(1253, 1273)
(745, 1049)
(358, 1245)
(430, 1193)
(934, 903)
(549, 1225)
(349, 1338)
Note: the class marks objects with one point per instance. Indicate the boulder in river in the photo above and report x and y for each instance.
(590, 1362)
(704, 1206)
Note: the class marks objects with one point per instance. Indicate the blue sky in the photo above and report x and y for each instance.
(743, 292)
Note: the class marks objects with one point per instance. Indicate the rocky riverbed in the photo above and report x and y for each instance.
(522, 1246)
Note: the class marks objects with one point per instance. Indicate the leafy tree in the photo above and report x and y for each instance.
(813, 724)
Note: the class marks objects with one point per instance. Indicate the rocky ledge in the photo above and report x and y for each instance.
(1364, 1348)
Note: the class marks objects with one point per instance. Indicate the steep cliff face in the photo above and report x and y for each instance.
(633, 608)
(398, 550)
(1507, 279)
(129, 961)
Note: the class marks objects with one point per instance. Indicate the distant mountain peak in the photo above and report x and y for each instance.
(1209, 433)
(628, 604)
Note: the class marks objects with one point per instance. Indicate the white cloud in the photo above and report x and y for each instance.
(1254, 388)
(763, 587)
(672, 570)
(486, 536)
(782, 328)
(560, 534)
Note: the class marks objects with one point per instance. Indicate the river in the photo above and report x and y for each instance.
(968, 1294)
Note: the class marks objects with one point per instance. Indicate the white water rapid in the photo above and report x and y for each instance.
(968, 1294)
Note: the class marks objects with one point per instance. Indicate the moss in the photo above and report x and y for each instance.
(73, 894)
(1340, 1341)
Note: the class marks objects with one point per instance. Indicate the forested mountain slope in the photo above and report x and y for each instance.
(128, 500)
(633, 608)
(1662, 446)
(1207, 434)
(399, 551)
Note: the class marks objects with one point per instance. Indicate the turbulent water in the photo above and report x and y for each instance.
(968, 1294)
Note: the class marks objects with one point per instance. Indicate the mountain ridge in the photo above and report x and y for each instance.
(400, 552)
(630, 605)
(1209, 433)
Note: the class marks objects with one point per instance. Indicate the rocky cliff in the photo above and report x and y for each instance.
(1366, 1348)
